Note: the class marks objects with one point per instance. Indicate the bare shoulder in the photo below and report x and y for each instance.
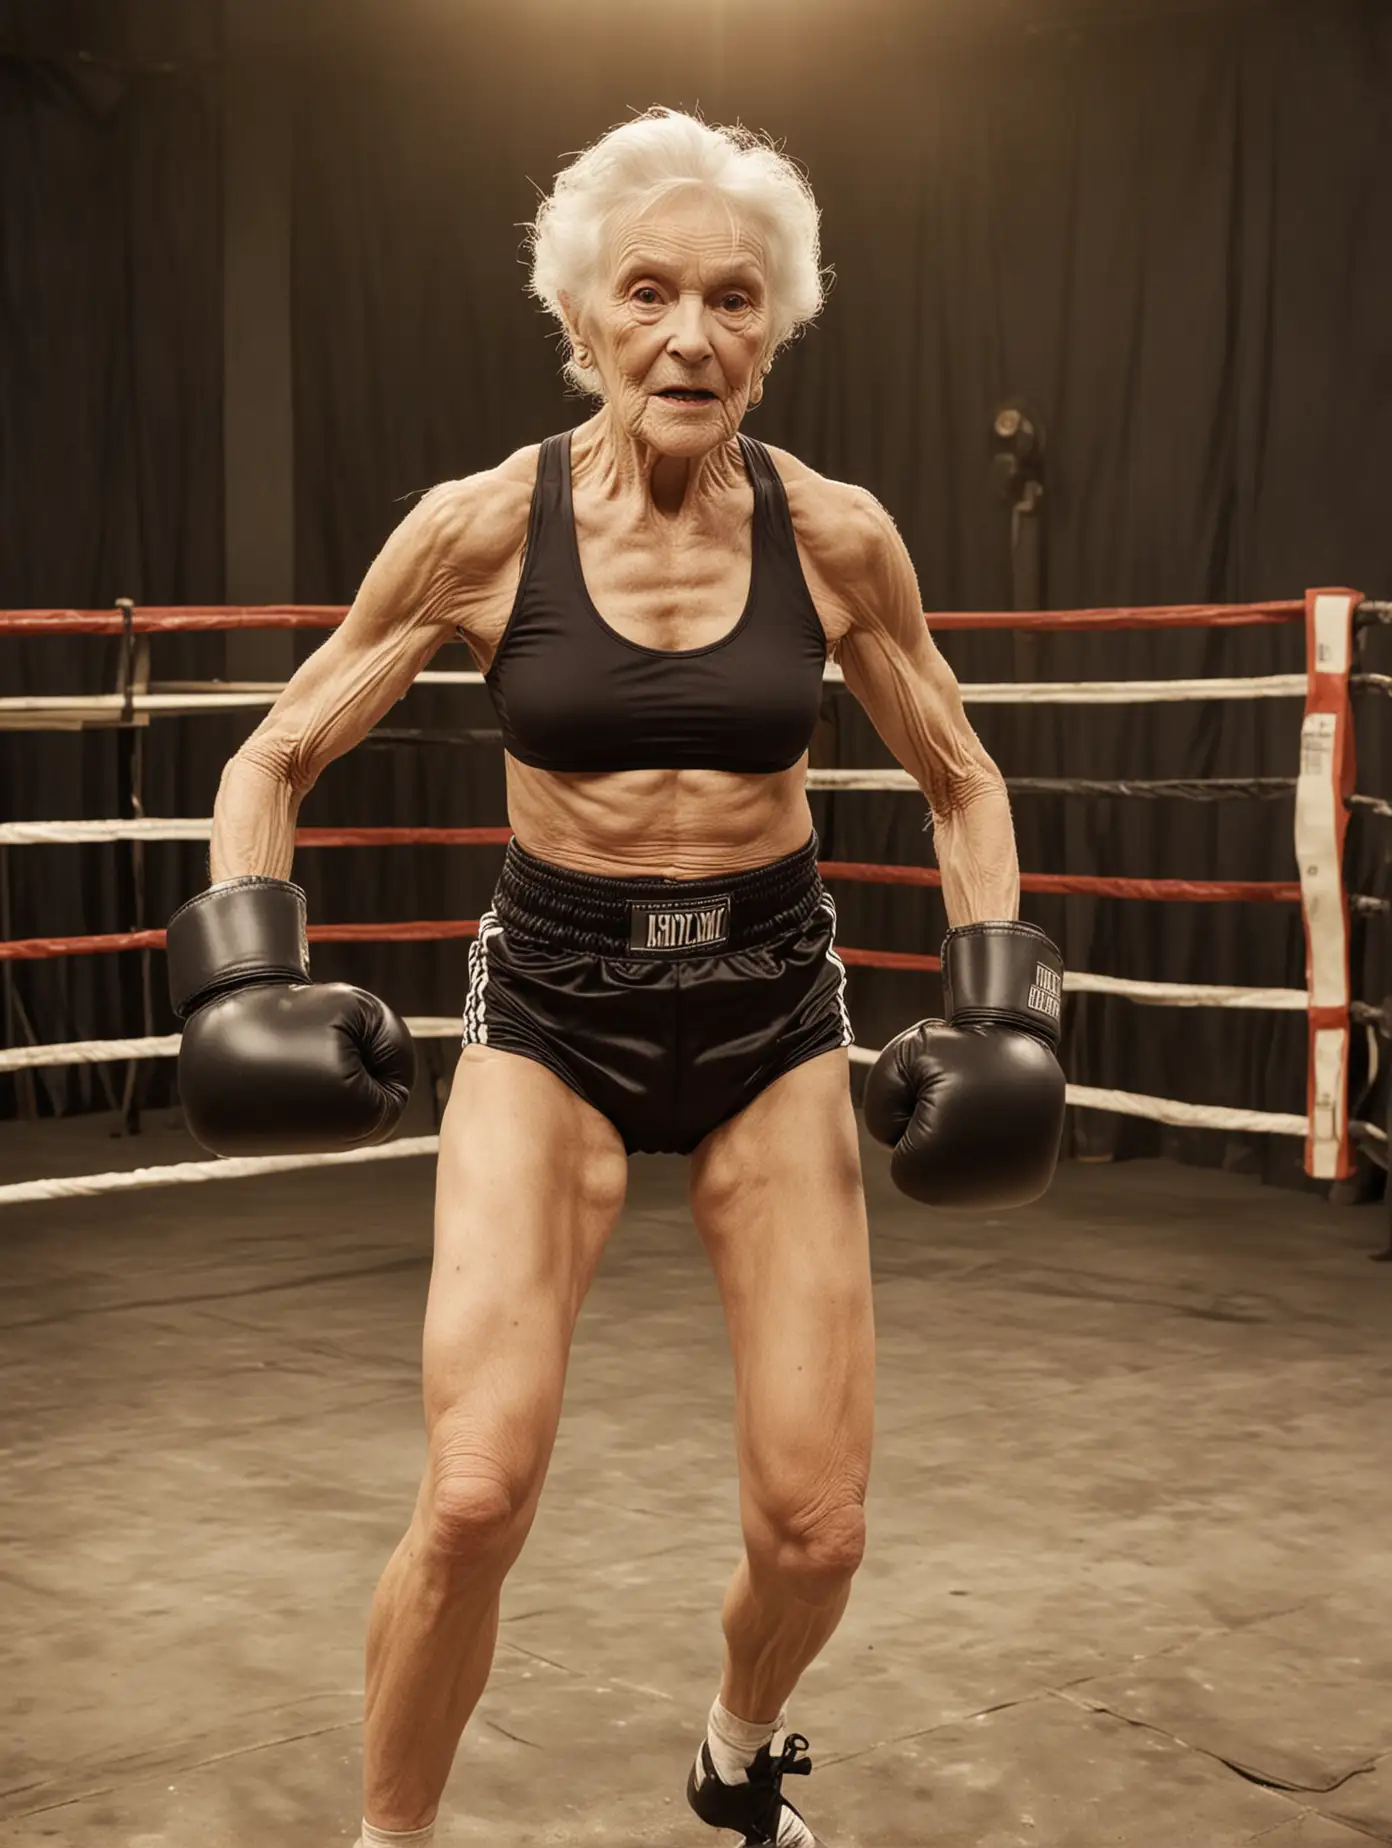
(833, 517)
(844, 535)
(479, 522)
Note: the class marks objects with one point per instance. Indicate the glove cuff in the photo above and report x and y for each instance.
(238, 932)
(1007, 974)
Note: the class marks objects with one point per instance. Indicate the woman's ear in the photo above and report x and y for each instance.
(579, 348)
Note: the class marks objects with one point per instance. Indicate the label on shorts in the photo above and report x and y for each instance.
(658, 928)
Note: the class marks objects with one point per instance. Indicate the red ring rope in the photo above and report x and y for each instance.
(31, 949)
(887, 959)
(402, 837)
(170, 619)
(38, 949)
(1201, 891)
(1180, 616)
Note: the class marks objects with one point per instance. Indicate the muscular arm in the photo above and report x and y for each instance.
(407, 606)
(893, 667)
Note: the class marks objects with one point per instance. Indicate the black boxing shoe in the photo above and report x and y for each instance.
(758, 1809)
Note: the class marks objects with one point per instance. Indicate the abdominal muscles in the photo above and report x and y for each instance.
(670, 824)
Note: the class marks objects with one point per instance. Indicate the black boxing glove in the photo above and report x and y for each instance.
(973, 1107)
(271, 1063)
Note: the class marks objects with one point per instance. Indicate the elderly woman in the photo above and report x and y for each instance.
(652, 597)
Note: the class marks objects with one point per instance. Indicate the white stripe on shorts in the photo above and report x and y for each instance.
(475, 1010)
(847, 1031)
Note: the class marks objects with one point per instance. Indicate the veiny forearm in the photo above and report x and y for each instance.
(254, 819)
(974, 837)
(410, 602)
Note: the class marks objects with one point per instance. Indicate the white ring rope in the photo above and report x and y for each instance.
(88, 1052)
(446, 1026)
(69, 833)
(1002, 693)
(1158, 1109)
(1190, 994)
(860, 779)
(1132, 692)
(188, 699)
(235, 1168)
(1187, 1116)
(231, 1168)
(190, 828)
(166, 1046)
(187, 828)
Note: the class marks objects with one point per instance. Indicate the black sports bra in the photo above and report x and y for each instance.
(572, 694)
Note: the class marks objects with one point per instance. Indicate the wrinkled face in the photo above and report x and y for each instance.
(681, 333)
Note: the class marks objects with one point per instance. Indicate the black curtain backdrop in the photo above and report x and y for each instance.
(110, 485)
(1168, 234)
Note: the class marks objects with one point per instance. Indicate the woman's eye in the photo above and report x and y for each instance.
(646, 296)
(740, 302)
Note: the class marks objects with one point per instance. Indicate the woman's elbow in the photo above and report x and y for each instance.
(967, 787)
(276, 756)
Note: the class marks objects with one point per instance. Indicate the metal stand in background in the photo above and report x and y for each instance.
(1384, 1049)
(137, 1002)
(1370, 1130)
(26, 1098)
(1372, 1106)
(1385, 1256)
(1017, 463)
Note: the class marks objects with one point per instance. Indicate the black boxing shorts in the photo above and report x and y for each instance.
(668, 1004)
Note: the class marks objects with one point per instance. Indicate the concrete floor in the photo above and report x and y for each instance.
(1130, 1571)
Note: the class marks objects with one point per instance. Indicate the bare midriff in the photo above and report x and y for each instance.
(672, 824)
(668, 585)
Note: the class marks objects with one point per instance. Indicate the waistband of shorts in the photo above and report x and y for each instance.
(593, 912)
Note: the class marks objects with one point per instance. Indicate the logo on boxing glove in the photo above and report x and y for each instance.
(1046, 993)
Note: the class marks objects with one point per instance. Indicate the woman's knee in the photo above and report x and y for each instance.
(817, 1539)
(481, 1488)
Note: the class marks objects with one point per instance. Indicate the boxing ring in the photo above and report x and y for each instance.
(1324, 795)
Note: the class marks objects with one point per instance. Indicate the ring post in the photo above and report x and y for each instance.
(1321, 822)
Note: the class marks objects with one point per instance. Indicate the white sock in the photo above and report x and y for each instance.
(735, 1744)
(384, 1838)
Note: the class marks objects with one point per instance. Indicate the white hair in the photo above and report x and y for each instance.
(641, 163)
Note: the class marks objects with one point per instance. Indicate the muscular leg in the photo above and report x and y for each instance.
(531, 1180)
(776, 1196)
